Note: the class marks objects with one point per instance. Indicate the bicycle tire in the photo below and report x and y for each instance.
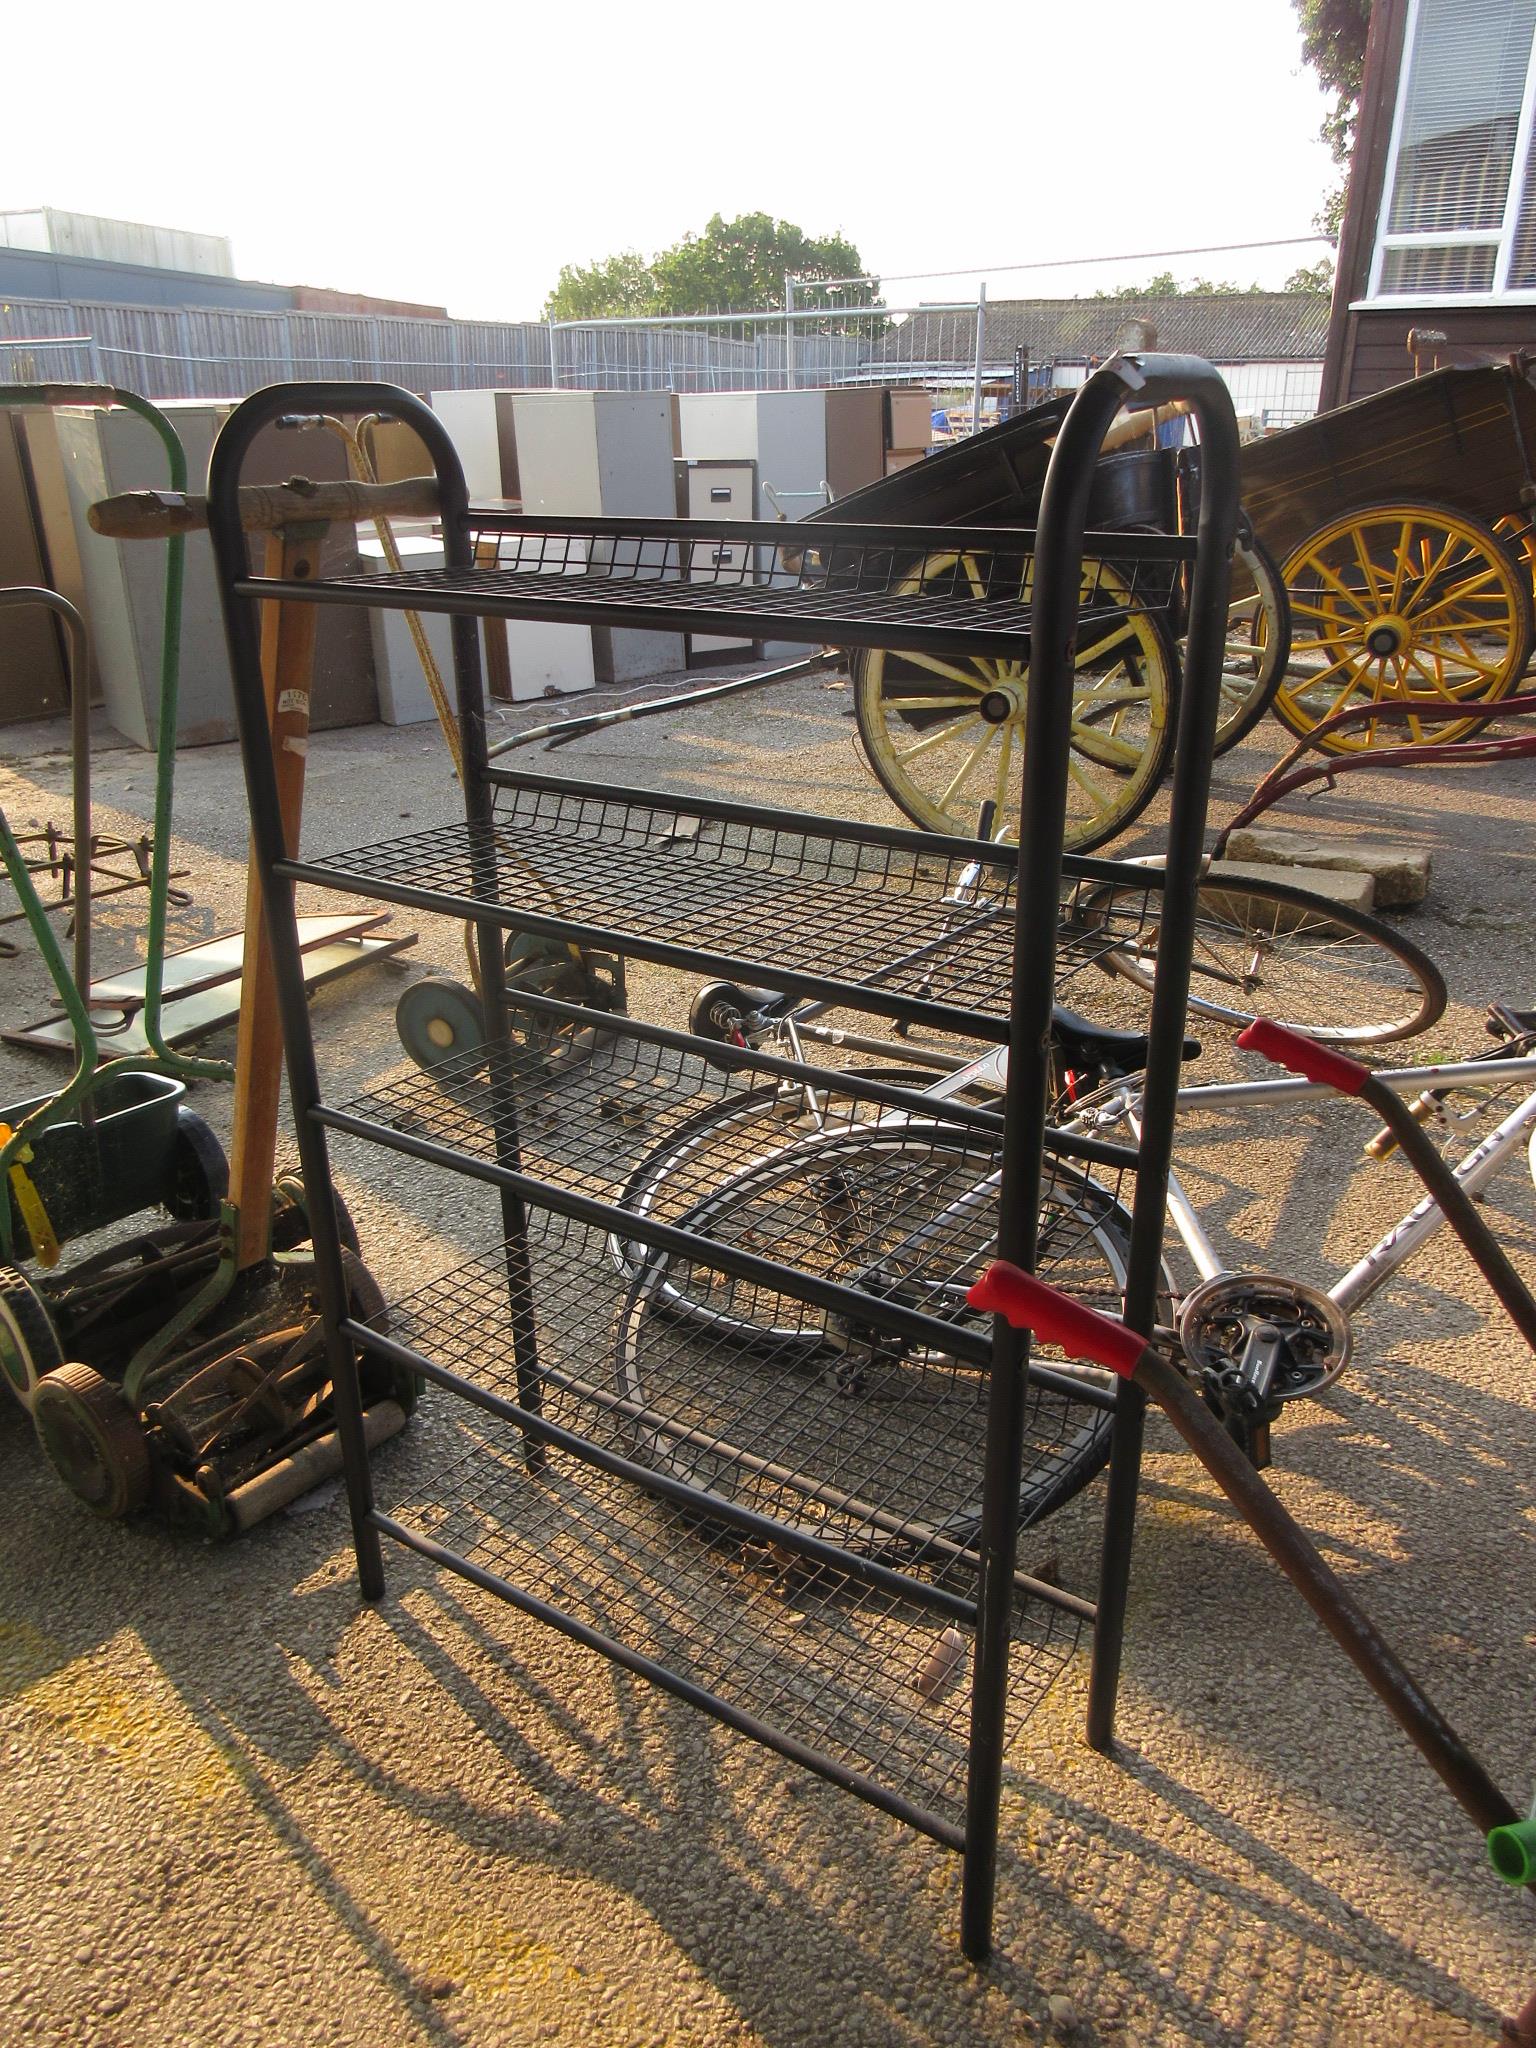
(1252, 669)
(748, 1393)
(719, 1139)
(1340, 975)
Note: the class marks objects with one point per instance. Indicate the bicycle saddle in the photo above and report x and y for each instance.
(720, 1008)
(1094, 1047)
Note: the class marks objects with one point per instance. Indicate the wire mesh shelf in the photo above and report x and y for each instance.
(881, 923)
(900, 587)
(873, 1680)
(739, 1386)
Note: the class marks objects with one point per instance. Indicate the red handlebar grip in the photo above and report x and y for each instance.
(1081, 1332)
(1304, 1056)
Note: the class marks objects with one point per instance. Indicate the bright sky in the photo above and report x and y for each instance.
(460, 156)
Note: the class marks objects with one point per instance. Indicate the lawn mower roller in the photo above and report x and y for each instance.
(186, 1369)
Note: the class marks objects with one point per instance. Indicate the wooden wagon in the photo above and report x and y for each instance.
(1403, 527)
(944, 733)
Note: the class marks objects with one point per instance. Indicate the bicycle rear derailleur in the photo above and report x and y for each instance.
(1255, 1341)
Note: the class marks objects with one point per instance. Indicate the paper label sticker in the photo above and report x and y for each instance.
(291, 745)
(293, 700)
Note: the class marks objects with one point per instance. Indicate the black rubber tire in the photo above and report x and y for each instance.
(30, 1346)
(199, 1171)
(726, 1369)
(705, 1147)
(93, 1440)
(439, 1020)
(1348, 979)
(1273, 596)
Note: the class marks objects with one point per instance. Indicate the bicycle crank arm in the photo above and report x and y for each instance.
(1083, 1333)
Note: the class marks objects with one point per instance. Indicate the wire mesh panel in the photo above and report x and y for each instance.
(870, 1680)
(741, 1386)
(895, 929)
(745, 1393)
(891, 586)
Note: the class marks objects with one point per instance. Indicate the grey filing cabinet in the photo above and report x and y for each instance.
(783, 434)
(602, 454)
(78, 456)
(582, 453)
(711, 488)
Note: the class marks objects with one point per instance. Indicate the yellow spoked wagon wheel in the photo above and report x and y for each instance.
(1402, 603)
(1519, 538)
(945, 733)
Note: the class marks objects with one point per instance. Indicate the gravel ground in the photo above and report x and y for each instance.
(242, 1808)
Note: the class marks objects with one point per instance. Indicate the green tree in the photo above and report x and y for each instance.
(619, 285)
(1312, 277)
(1333, 36)
(736, 265)
(1166, 286)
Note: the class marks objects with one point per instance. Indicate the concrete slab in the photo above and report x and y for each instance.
(1334, 885)
(1400, 873)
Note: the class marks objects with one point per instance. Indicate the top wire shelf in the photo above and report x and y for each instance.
(935, 589)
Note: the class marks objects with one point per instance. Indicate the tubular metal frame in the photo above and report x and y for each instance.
(1058, 548)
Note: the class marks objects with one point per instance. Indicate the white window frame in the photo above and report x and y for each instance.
(1501, 238)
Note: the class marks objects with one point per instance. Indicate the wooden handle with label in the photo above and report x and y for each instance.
(153, 515)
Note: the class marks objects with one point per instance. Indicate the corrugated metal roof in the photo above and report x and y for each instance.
(1225, 327)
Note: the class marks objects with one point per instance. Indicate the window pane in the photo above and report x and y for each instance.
(1460, 268)
(1458, 137)
(1522, 267)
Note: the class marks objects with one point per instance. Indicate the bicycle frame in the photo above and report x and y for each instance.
(1421, 1222)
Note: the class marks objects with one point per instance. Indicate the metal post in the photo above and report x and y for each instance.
(981, 349)
(789, 332)
(554, 377)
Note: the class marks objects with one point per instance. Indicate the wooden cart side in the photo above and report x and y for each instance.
(1448, 438)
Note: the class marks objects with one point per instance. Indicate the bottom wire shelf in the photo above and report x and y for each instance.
(875, 1681)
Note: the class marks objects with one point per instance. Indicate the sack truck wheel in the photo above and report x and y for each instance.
(93, 1440)
(290, 1213)
(437, 1020)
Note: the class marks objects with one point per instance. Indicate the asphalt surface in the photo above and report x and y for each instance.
(241, 1807)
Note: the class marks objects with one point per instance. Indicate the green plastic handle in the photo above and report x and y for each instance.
(1512, 1851)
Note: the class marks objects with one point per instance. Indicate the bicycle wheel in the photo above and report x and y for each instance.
(1270, 949)
(716, 1142)
(945, 734)
(743, 1390)
(1258, 644)
(1402, 602)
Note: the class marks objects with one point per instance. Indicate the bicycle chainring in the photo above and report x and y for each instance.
(1219, 1319)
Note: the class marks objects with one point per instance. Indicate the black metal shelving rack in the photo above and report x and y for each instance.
(842, 1667)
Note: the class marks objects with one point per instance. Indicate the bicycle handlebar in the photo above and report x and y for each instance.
(1029, 1304)
(1302, 1055)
